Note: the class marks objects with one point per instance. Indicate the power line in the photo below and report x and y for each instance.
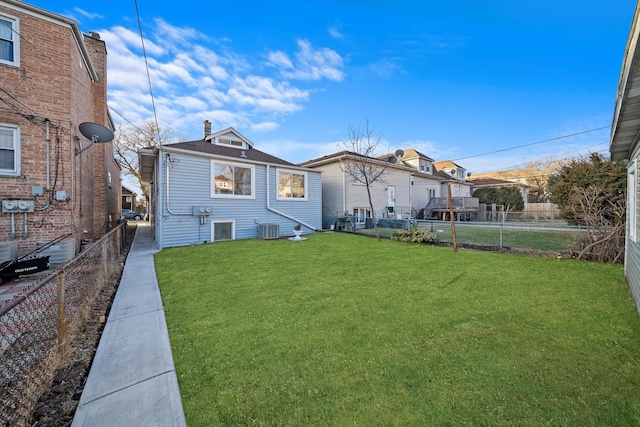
(146, 63)
(531, 143)
(68, 74)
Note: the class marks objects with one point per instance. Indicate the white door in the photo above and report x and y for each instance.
(391, 196)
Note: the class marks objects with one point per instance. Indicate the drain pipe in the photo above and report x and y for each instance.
(168, 162)
(277, 211)
(26, 233)
(47, 161)
(13, 226)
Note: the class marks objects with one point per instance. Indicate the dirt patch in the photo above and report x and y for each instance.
(58, 406)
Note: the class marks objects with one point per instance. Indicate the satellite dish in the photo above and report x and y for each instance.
(453, 171)
(391, 159)
(95, 132)
(399, 153)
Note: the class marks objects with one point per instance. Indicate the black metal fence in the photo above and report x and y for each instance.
(38, 327)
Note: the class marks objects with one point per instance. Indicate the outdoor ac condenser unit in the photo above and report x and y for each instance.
(268, 231)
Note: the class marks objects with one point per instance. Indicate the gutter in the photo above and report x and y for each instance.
(277, 211)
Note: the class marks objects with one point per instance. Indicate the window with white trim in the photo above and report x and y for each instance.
(232, 180)
(9, 149)
(292, 185)
(223, 230)
(361, 214)
(632, 201)
(9, 42)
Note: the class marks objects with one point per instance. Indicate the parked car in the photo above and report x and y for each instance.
(129, 214)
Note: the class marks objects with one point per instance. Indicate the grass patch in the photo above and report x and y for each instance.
(342, 329)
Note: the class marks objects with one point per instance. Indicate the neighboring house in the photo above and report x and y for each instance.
(453, 175)
(496, 182)
(52, 79)
(222, 188)
(625, 145)
(401, 192)
(128, 199)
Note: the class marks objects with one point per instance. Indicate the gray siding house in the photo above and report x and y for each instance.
(625, 145)
(221, 188)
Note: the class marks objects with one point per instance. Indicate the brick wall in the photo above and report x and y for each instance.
(55, 84)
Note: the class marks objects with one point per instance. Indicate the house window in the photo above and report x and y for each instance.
(9, 150)
(9, 42)
(292, 185)
(231, 180)
(223, 230)
(632, 203)
(361, 214)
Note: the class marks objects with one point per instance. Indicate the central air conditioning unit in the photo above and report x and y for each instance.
(268, 231)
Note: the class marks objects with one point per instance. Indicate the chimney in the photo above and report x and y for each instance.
(206, 127)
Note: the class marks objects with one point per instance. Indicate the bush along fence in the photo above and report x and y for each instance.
(38, 328)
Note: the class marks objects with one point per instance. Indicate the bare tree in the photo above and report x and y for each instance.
(129, 139)
(361, 165)
(605, 224)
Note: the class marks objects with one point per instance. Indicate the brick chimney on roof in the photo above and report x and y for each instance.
(206, 127)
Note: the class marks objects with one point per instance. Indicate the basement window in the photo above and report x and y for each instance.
(222, 231)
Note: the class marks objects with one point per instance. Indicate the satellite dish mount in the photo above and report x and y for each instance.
(96, 133)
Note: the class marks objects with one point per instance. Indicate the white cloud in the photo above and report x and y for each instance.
(335, 33)
(264, 126)
(86, 14)
(192, 81)
(310, 64)
(279, 59)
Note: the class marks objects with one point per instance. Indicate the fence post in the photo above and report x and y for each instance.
(453, 219)
(105, 260)
(62, 322)
(501, 226)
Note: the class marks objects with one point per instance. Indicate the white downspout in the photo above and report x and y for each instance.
(344, 191)
(167, 160)
(278, 212)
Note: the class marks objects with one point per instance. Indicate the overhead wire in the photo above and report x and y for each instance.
(146, 63)
(68, 74)
(531, 143)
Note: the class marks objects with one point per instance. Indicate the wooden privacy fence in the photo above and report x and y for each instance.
(38, 326)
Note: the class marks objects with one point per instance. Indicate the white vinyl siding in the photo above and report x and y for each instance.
(632, 202)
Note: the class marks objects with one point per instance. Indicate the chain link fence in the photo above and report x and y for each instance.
(38, 327)
(517, 231)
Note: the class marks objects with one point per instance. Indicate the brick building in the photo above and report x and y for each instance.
(52, 79)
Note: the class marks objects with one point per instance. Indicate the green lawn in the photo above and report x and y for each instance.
(341, 329)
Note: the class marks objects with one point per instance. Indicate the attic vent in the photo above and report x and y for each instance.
(453, 172)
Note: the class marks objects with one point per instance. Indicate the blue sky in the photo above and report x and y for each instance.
(457, 80)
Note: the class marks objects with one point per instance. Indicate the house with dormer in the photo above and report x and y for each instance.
(405, 188)
(222, 188)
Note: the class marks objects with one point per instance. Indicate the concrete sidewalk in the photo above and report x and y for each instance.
(132, 381)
